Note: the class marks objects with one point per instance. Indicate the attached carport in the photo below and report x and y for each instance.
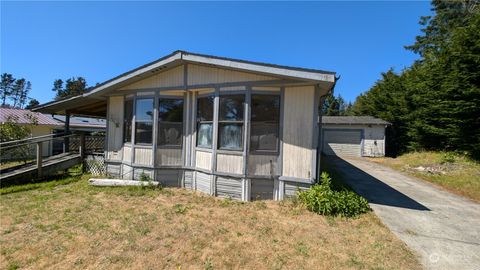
(353, 136)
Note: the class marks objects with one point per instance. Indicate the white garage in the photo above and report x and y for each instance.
(353, 136)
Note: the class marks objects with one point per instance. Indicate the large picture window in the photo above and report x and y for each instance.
(230, 122)
(143, 120)
(265, 119)
(170, 122)
(127, 121)
(204, 121)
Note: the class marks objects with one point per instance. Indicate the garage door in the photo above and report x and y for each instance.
(342, 142)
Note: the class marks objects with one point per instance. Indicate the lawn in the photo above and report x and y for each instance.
(453, 172)
(66, 224)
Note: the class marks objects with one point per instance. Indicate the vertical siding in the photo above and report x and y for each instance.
(138, 172)
(373, 142)
(169, 156)
(229, 188)
(298, 131)
(115, 127)
(188, 179)
(262, 164)
(203, 160)
(127, 153)
(143, 156)
(207, 75)
(291, 188)
(203, 182)
(262, 189)
(171, 77)
(229, 163)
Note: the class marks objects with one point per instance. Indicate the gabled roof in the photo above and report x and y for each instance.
(353, 120)
(21, 116)
(93, 99)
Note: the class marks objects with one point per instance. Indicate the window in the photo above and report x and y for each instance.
(204, 121)
(170, 121)
(265, 119)
(127, 121)
(230, 122)
(143, 121)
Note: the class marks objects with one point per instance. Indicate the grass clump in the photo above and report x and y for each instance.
(324, 200)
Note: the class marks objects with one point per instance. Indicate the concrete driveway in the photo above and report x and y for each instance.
(442, 228)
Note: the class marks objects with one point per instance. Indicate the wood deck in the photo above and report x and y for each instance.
(50, 166)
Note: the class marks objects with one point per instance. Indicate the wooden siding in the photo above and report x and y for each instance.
(172, 93)
(233, 88)
(262, 164)
(262, 189)
(230, 163)
(203, 160)
(298, 131)
(198, 75)
(291, 188)
(171, 77)
(188, 179)
(169, 156)
(203, 182)
(373, 140)
(127, 153)
(115, 126)
(168, 178)
(143, 156)
(342, 142)
(265, 88)
(229, 188)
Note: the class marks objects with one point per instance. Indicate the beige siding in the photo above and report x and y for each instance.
(143, 156)
(262, 164)
(172, 93)
(206, 75)
(115, 127)
(230, 163)
(42, 131)
(127, 153)
(203, 160)
(298, 131)
(171, 77)
(265, 88)
(169, 156)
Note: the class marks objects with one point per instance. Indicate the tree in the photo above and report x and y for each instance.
(33, 103)
(11, 131)
(334, 106)
(73, 87)
(19, 93)
(6, 86)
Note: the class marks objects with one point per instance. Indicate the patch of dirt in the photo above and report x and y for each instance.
(435, 168)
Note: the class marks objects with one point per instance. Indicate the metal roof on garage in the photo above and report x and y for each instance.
(353, 120)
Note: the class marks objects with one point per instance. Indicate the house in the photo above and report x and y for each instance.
(45, 124)
(353, 136)
(226, 127)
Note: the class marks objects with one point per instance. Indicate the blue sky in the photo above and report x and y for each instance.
(43, 41)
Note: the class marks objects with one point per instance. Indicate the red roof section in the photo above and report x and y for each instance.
(21, 116)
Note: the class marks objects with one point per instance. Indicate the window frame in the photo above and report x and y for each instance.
(279, 129)
(132, 99)
(170, 146)
(198, 122)
(134, 127)
(237, 122)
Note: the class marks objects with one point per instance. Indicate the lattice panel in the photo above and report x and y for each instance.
(95, 164)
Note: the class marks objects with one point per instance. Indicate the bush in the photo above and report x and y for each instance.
(321, 199)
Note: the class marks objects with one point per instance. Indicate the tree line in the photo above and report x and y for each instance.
(14, 93)
(435, 103)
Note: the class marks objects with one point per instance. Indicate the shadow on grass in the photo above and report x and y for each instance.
(72, 175)
(369, 187)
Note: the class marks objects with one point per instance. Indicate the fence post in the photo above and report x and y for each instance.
(39, 159)
(81, 150)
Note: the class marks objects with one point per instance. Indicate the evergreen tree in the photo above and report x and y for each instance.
(73, 87)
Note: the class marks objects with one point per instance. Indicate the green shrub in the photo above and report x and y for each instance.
(321, 199)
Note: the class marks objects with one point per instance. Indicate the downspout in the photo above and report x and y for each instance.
(320, 133)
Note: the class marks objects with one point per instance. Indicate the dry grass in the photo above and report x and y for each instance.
(71, 225)
(462, 176)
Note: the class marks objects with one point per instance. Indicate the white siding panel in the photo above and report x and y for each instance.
(171, 77)
(229, 188)
(127, 153)
(291, 188)
(198, 75)
(188, 179)
(229, 163)
(203, 182)
(298, 131)
(115, 126)
(143, 156)
(169, 156)
(203, 160)
(262, 164)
